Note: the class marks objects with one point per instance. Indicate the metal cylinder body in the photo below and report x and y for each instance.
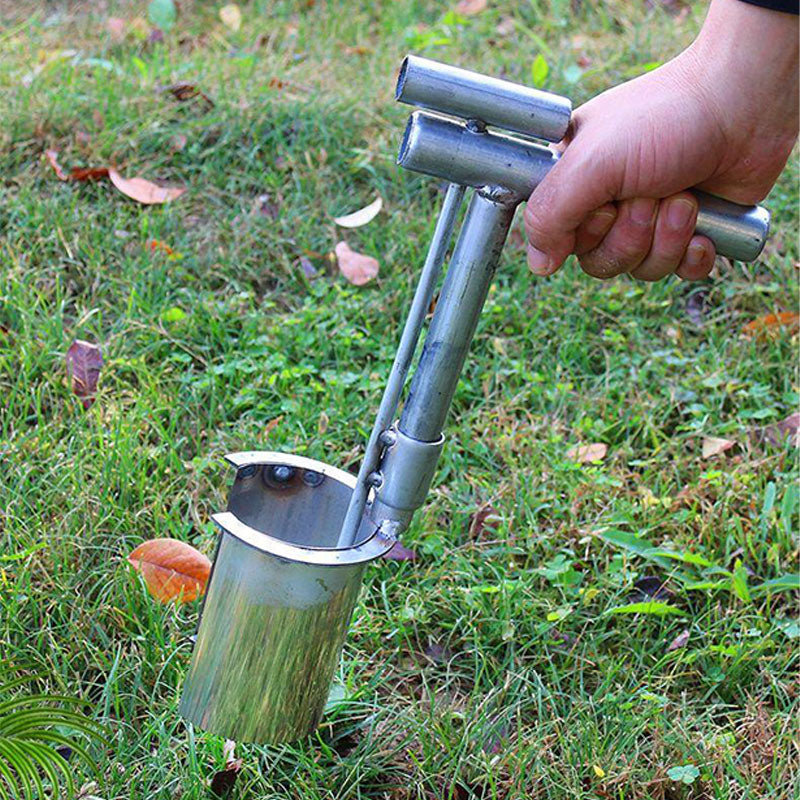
(463, 294)
(470, 95)
(278, 602)
(452, 150)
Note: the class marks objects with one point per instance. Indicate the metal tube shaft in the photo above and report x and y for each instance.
(462, 297)
(402, 360)
(462, 93)
(457, 152)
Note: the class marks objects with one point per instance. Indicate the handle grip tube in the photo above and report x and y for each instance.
(464, 154)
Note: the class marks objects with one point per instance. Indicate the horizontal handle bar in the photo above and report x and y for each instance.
(470, 95)
(461, 154)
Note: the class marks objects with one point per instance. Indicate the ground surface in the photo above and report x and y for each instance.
(491, 666)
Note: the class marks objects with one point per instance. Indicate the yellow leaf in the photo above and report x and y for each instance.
(231, 16)
(599, 771)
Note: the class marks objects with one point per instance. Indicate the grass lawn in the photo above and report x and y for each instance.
(494, 665)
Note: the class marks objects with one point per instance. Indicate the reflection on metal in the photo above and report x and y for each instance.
(278, 602)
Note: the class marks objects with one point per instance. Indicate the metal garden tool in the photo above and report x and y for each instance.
(298, 533)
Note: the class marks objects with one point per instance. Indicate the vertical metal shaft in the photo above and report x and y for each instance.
(462, 297)
(402, 360)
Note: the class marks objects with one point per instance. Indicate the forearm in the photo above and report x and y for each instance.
(751, 54)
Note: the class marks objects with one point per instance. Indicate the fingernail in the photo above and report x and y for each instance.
(538, 261)
(599, 223)
(642, 210)
(679, 213)
(695, 255)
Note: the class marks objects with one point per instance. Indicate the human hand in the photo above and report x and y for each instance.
(721, 116)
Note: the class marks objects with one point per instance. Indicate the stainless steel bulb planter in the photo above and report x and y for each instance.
(298, 533)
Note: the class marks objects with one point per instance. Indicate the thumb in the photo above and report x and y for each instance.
(576, 185)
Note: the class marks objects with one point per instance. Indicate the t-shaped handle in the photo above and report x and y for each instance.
(466, 153)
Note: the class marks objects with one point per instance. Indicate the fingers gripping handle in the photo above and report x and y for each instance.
(470, 156)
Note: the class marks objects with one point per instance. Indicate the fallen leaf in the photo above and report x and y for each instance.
(599, 771)
(696, 306)
(679, 641)
(485, 518)
(223, 781)
(231, 16)
(357, 50)
(171, 569)
(357, 268)
(438, 653)
(84, 361)
(162, 13)
(772, 324)
(308, 268)
(587, 453)
(52, 157)
(713, 446)
(76, 173)
(144, 191)
(469, 8)
(788, 428)
(156, 35)
(116, 27)
(400, 552)
(184, 92)
(362, 216)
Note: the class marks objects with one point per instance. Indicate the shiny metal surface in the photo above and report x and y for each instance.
(451, 150)
(279, 600)
(431, 269)
(470, 95)
(407, 468)
(460, 302)
(738, 232)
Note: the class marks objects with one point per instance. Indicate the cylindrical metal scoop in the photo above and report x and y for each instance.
(298, 533)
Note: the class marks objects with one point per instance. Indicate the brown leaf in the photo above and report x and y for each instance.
(52, 157)
(144, 191)
(586, 453)
(469, 8)
(84, 361)
(357, 268)
(183, 92)
(357, 50)
(172, 569)
(400, 552)
(222, 782)
(77, 173)
(772, 324)
(713, 446)
(788, 428)
(308, 268)
(679, 641)
(116, 26)
(485, 518)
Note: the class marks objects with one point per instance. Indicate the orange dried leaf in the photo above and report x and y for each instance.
(157, 244)
(144, 191)
(771, 323)
(356, 267)
(586, 453)
(172, 569)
